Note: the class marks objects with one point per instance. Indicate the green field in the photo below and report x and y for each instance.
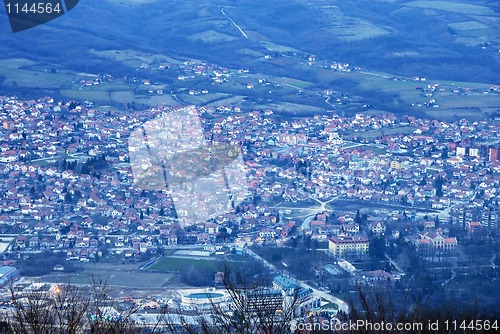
(203, 99)
(485, 34)
(90, 95)
(342, 24)
(211, 36)
(15, 73)
(291, 108)
(295, 83)
(473, 105)
(478, 27)
(172, 264)
(26, 73)
(250, 52)
(135, 58)
(373, 81)
(358, 31)
(122, 96)
(467, 25)
(455, 7)
(114, 274)
(232, 101)
(278, 48)
(155, 100)
(176, 264)
(469, 101)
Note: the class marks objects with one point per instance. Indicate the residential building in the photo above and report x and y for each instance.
(493, 154)
(260, 299)
(432, 244)
(348, 246)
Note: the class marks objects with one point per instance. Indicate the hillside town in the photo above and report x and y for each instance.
(67, 185)
(249, 167)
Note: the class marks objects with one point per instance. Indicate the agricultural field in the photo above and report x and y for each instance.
(475, 37)
(87, 95)
(154, 100)
(16, 73)
(451, 6)
(471, 99)
(231, 101)
(204, 99)
(291, 108)
(135, 59)
(354, 30)
(467, 25)
(472, 24)
(277, 47)
(20, 72)
(346, 27)
(122, 96)
(250, 52)
(450, 115)
(114, 275)
(211, 36)
(119, 93)
(176, 264)
(274, 87)
(291, 82)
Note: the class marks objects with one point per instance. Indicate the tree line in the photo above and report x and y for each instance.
(72, 309)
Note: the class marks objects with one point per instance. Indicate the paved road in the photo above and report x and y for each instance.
(307, 222)
(234, 24)
(325, 295)
(394, 264)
